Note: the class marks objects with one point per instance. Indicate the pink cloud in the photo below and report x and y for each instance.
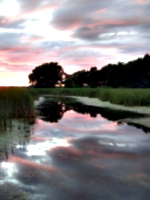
(143, 1)
(31, 39)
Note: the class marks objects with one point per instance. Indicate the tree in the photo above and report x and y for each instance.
(135, 74)
(79, 78)
(69, 83)
(46, 75)
(92, 77)
(93, 69)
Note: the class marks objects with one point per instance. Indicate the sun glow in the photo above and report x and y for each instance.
(13, 79)
(9, 8)
(42, 19)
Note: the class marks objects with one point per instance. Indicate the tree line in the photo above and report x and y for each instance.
(133, 74)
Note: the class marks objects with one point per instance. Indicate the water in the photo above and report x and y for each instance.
(75, 151)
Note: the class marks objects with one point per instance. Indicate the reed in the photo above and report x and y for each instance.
(122, 96)
(14, 103)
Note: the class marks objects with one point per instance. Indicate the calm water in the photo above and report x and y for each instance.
(77, 152)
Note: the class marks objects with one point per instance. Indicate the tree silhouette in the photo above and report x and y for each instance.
(46, 75)
(69, 83)
(79, 78)
(133, 74)
(51, 111)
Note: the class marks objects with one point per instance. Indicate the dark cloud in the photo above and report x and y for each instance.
(89, 19)
(86, 33)
(72, 14)
(112, 27)
(69, 21)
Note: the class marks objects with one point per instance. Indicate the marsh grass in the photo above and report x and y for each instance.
(14, 103)
(122, 96)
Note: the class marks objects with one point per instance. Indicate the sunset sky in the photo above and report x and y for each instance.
(76, 34)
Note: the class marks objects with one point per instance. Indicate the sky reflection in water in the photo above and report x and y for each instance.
(80, 158)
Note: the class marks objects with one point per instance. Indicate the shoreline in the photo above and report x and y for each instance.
(143, 121)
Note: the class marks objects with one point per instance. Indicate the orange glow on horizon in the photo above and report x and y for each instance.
(14, 79)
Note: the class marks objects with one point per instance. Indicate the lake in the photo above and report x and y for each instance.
(74, 151)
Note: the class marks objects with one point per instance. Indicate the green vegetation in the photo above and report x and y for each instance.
(122, 96)
(14, 103)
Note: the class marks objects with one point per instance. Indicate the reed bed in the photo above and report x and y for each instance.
(14, 103)
(122, 96)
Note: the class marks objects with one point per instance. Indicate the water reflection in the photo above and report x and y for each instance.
(52, 110)
(14, 134)
(79, 157)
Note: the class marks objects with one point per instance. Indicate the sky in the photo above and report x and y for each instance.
(77, 34)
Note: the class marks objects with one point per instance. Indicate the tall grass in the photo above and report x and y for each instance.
(122, 96)
(14, 103)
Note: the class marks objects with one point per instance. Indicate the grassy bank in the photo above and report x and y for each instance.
(122, 96)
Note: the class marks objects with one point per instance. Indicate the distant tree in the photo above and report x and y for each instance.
(133, 74)
(69, 83)
(92, 77)
(93, 84)
(46, 75)
(93, 69)
(79, 78)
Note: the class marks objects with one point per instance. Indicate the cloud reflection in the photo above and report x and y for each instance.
(40, 149)
(9, 167)
(10, 170)
(81, 158)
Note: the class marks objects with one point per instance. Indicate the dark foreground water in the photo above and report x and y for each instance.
(67, 155)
